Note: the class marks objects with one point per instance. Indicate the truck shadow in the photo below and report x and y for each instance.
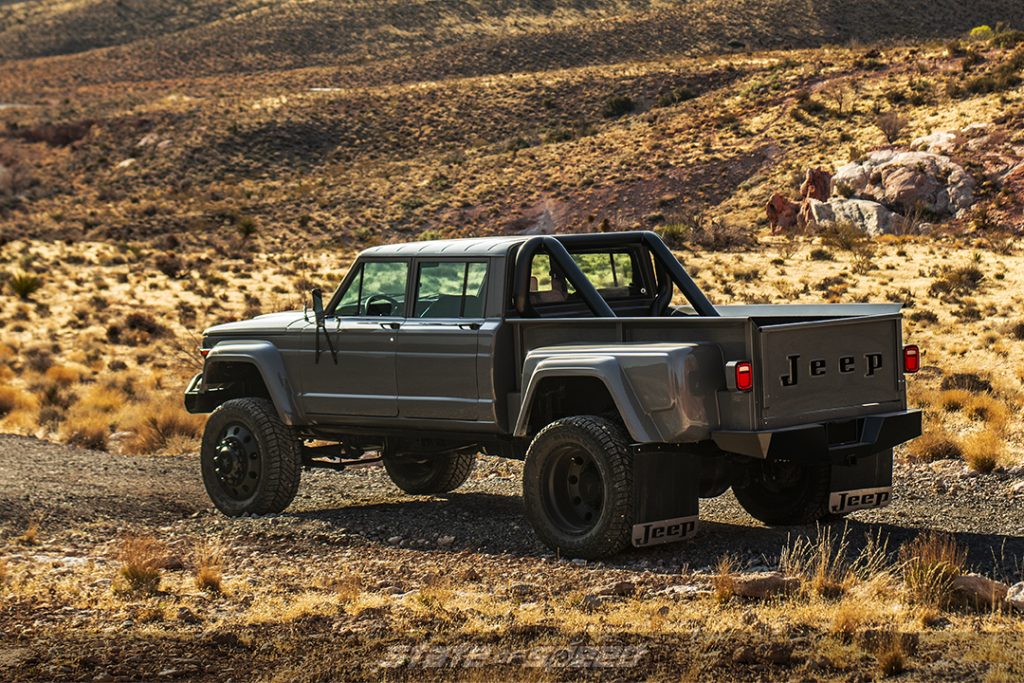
(495, 524)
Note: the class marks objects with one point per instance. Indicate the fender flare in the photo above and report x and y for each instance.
(268, 362)
(604, 368)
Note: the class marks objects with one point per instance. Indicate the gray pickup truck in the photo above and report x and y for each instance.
(571, 353)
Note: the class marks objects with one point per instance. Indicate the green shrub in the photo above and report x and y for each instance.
(24, 284)
(617, 106)
(983, 32)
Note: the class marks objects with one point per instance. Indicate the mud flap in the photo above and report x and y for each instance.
(665, 500)
(865, 483)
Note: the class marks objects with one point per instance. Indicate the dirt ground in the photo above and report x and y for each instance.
(357, 575)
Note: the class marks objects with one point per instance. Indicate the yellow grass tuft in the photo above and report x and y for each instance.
(891, 656)
(954, 400)
(989, 410)
(209, 563)
(984, 451)
(157, 425)
(86, 429)
(930, 564)
(141, 560)
(63, 375)
(936, 444)
(31, 534)
(348, 588)
(723, 583)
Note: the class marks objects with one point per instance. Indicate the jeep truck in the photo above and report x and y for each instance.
(594, 358)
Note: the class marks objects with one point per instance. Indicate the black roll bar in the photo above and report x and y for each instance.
(664, 260)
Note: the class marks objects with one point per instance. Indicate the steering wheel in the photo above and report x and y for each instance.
(381, 297)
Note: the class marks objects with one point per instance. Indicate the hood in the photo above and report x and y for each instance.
(272, 322)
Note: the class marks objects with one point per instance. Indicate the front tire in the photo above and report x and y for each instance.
(784, 493)
(426, 474)
(251, 461)
(578, 487)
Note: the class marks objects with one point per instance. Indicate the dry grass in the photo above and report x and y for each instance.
(936, 444)
(891, 656)
(723, 583)
(30, 536)
(348, 588)
(930, 564)
(208, 558)
(984, 451)
(141, 558)
(157, 426)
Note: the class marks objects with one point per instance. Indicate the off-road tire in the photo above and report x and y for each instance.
(803, 501)
(438, 473)
(607, 445)
(278, 454)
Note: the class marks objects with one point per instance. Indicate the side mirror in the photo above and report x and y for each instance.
(318, 306)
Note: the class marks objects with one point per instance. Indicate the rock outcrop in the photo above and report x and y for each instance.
(817, 184)
(908, 181)
(782, 213)
(870, 217)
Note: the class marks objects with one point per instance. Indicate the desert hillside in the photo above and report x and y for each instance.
(166, 165)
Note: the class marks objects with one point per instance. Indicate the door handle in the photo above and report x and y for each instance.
(390, 326)
(469, 326)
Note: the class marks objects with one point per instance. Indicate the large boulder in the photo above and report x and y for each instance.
(817, 184)
(870, 217)
(1015, 596)
(936, 142)
(979, 592)
(761, 585)
(908, 181)
(782, 213)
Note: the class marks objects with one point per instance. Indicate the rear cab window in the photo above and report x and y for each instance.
(614, 273)
(450, 289)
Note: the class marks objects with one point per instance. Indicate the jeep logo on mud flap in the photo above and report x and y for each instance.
(664, 531)
(845, 501)
(818, 367)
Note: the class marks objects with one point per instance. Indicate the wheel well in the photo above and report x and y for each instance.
(558, 397)
(235, 380)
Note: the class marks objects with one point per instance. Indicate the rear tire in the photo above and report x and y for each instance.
(251, 461)
(578, 487)
(784, 493)
(425, 474)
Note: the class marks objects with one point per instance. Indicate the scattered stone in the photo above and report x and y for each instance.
(979, 592)
(1015, 596)
(1017, 488)
(761, 585)
(445, 541)
(621, 589)
(395, 540)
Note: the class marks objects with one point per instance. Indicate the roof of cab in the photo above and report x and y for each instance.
(469, 246)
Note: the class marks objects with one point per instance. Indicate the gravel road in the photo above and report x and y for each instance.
(82, 495)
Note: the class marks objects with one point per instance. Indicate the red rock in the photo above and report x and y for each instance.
(817, 185)
(782, 213)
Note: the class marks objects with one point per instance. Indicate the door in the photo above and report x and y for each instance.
(363, 328)
(438, 346)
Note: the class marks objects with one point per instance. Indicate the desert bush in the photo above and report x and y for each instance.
(157, 425)
(843, 235)
(675, 96)
(957, 281)
(989, 410)
(209, 562)
(1007, 38)
(703, 230)
(954, 400)
(617, 105)
(1016, 330)
(823, 562)
(924, 316)
(142, 558)
(891, 655)
(820, 254)
(930, 564)
(24, 285)
(31, 534)
(170, 265)
(892, 125)
(980, 33)
(983, 451)
(88, 430)
(934, 445)
(967, 381)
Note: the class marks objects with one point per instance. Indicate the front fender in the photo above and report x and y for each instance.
(268, 361)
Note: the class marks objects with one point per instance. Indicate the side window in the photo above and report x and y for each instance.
(447, 289)
(378, 288)
(611, 273)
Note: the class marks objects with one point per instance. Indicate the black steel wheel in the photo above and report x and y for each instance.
(785, 492)
(251, 461)
(578, 486)
(435, 473)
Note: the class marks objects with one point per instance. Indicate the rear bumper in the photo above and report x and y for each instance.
(838, 440)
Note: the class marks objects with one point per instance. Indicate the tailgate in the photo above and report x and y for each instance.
(829, 369)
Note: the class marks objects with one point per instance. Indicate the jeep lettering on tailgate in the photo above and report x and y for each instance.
(566, 352)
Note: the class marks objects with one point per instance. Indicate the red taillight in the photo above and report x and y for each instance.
(204, 352)
(911, 358)
(743, 372)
